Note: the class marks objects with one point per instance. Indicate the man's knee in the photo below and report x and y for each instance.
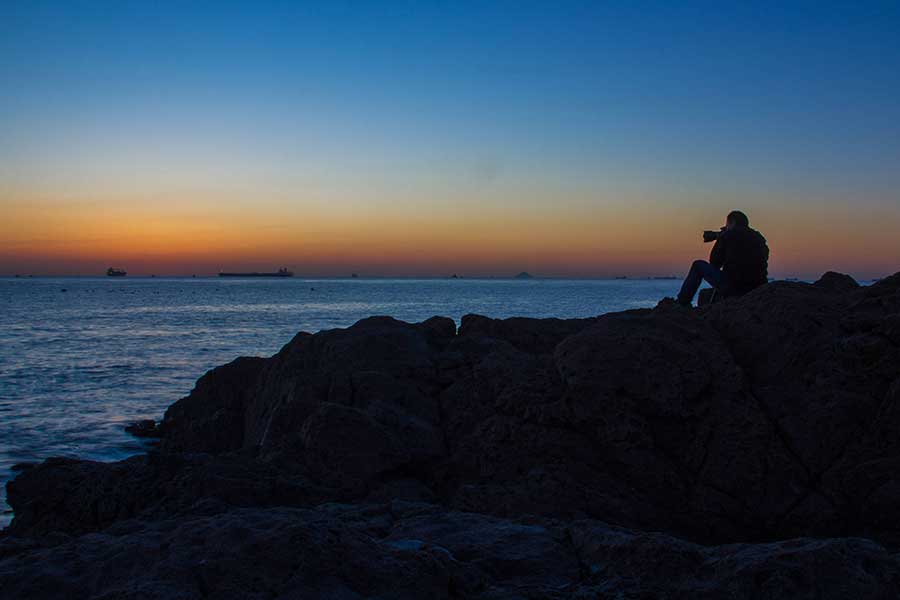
(699, 264)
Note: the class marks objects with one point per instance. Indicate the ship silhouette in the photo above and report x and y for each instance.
(279, 273)
(110, 272)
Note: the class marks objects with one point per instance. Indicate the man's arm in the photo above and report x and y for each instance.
(719, 250)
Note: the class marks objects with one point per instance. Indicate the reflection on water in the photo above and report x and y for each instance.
(77, 365)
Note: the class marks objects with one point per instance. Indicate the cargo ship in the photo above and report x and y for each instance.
(278, 273)
(110, 272)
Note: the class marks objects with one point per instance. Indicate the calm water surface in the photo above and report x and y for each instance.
(82, 357)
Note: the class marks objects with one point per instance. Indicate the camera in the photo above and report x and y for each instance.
(711, 236)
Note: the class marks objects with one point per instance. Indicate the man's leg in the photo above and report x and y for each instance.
(700, 270)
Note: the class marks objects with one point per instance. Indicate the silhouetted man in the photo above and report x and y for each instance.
(739, 261)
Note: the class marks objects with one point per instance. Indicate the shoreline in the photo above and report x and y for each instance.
(755, 434)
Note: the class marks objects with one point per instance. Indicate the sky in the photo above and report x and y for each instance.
(567, 139)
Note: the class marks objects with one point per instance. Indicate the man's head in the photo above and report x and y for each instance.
(736, 219)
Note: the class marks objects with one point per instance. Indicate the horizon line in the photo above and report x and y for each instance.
(451, 277)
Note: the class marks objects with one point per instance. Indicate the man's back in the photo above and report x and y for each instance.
(743, 256)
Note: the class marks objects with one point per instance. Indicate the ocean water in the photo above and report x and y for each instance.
(80, 358)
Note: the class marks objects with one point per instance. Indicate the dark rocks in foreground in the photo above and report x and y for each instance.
(748, 449)
(415, 550)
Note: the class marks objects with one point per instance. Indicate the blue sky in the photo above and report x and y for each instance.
(427, 107)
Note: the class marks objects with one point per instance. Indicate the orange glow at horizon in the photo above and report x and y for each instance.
(183, 238)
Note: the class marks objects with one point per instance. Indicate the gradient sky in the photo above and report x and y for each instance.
(412, 138)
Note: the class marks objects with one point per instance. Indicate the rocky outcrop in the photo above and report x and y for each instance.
(415, 550)
(745, 449)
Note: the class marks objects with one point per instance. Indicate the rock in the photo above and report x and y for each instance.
(409, 550)
(212, 417)
(76, 497)
(23, 466)
(146, 428)
(836, 282)
(747, 449)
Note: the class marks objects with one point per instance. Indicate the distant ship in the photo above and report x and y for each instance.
(279, 273)
(110, 272)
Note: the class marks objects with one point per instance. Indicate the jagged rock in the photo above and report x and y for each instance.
(214, 420)
(145, 428)
(411, 550)
(836, 282)
(518, 442)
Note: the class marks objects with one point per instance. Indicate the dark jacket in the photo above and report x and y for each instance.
(742, 254)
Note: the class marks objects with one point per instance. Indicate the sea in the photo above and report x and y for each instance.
(82, 357)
